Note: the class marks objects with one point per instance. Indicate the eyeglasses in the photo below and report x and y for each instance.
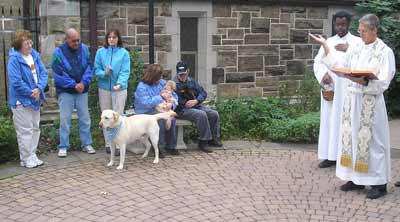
(362, 31)
(112, 37)
(28, 42)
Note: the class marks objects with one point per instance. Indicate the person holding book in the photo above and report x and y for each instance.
(333, 90)
(364, 151)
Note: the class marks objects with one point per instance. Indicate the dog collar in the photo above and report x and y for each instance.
(111, 133)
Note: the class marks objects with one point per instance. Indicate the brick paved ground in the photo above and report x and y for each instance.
(229, 185)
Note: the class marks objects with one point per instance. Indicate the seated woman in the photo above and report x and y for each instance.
(148, 96)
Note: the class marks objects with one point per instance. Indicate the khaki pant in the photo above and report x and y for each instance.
(26, 124)
(114, 100)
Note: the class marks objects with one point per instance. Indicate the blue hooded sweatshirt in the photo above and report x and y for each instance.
(21, 81)
(120, 62)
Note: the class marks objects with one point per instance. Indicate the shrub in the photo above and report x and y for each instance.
(8, 140)
(301, 129)
(244, 117)
(137, 65)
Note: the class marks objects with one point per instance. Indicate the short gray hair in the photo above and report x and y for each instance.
(371, 20)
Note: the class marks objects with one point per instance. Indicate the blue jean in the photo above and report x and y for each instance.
(167, 138)
(66, 103)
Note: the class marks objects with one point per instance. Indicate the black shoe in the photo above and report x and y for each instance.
(108, 150)
(397, 184)
(203, 146)
(326, 164)
(377, 191)
(349, 186)
(173, 152)
(161, 154)
(215, 143)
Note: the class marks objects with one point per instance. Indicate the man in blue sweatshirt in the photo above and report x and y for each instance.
(190, 98)
(72, 76)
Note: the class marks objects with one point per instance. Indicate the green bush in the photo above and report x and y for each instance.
(244, 117)
(268, 119)
(136, 75)
(8, 140)
(301, 129)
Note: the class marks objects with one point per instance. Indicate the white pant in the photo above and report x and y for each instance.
(114, 100)
(26, 124)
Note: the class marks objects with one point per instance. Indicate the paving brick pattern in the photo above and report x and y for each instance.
(228, 185)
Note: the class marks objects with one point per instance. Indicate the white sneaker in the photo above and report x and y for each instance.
(89, 149)
(62, 152)
(29, 164)
(37, 160)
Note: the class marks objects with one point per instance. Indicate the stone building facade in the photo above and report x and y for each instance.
(244, 48)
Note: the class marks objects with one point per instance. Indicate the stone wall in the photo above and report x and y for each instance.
(131, 19)
(261, 47)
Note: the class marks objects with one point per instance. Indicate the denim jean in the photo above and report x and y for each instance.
(66, 103)
(167, 138)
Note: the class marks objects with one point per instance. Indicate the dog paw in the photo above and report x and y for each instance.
(144, 156)
(155, 161)
(120, 167)
(110, 164)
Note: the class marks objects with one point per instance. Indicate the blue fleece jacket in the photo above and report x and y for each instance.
(120, 63)
(21, 81)
(71, 67)
(147, 97)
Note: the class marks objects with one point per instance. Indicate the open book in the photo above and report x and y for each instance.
(355, 73)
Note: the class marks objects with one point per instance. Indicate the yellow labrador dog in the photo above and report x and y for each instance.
(126, 130)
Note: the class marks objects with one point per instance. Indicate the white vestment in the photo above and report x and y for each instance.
(365, 127)
(331, 111)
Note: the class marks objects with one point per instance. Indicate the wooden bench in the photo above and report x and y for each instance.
(180, 144)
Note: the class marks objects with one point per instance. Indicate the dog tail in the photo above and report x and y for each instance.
(165, 115)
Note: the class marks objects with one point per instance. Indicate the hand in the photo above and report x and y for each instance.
(108, 70)
(191, 103)
(318, 38)
(80, 87)
(327, 79)
(167, 106)
(360, 80)
(166, 96)
(117, 87)
(342, 47)
(36, 93)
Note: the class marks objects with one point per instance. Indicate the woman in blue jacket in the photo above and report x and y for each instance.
(112, 67)
(147, 96)
(27, 78)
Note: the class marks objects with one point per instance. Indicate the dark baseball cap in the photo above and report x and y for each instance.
(181, 68)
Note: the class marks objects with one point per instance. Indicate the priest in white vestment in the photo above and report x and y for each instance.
(364, 151)
(331, 108)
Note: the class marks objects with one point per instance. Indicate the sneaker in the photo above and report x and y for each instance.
(89, 149)
(349, 186)
(29, 164)
(397, 184)
(203, 146)
(173, 152)
(37, 160)
(62, 152)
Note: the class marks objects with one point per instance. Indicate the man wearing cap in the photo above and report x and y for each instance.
(190, 98)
